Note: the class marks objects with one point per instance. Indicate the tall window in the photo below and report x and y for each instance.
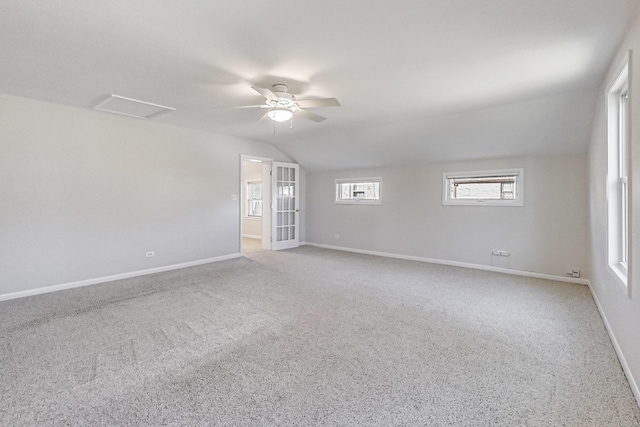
(490, 188)
(618, 176)
(254, 199)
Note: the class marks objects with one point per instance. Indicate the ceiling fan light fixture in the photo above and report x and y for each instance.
(280, 114)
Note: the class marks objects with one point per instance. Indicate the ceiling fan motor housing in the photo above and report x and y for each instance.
(285, 99)
(279, 87)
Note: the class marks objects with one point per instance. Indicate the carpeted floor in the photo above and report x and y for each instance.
(312, 337)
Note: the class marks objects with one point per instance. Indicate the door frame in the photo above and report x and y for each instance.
(266, 197)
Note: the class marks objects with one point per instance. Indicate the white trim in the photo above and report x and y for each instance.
(121, 276)
(266, 190)
(623, 362)
(252, 236)
(615, 226)
(484, 173)
(457, 264)
(517, 172)
(250, 157)
(375, 179)
(162, 108)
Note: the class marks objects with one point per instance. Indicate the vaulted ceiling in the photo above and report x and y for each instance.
(419, 80)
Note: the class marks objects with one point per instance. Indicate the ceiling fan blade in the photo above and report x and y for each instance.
(264, 117)
(317, 103)
(252, 106)
(308, 115)
(266, 93)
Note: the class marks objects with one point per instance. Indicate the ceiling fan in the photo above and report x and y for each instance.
(282, 105)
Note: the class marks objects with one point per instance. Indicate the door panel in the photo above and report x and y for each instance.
(266, 208)
(285, 214)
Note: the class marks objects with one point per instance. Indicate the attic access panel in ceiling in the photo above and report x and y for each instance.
(131, 107)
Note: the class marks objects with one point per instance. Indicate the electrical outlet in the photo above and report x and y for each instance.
(337, 236)
(500, 258)
(150, 254)
(234, 197)
(575, 272)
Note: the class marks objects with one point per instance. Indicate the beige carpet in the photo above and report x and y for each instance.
(251, 246)
(312, 337)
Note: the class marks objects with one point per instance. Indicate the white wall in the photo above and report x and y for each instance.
(621, 312)
(85, 194)
(546, 235)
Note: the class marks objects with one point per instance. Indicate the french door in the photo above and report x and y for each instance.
(285, 205)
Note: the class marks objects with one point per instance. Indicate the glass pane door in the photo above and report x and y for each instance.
(285, 205)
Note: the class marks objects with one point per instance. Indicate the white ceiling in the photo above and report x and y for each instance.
(419, 80)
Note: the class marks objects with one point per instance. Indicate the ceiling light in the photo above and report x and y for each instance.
(280, 114)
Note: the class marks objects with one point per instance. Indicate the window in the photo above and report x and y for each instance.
(364, 191)
(488, 188)
(618, 176)
(254, 199)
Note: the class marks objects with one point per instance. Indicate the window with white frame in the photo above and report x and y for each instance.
(254, 199)
(358, 191)
(504, 187)
(618, 175)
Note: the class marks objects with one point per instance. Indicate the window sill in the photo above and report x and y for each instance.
(253, 218)
(620, 275)
(476, 202)
(358, 202)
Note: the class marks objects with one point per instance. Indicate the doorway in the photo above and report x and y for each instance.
(269, 220)
(254, 204)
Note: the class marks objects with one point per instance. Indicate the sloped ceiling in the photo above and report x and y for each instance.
(419, 81)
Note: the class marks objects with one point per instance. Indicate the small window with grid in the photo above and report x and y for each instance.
(490, 188)
(254, 199)
(358, 191)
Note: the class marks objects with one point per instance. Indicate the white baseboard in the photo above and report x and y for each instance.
(252, 236)
(457, 264)
(97, 280)
(625, 366)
